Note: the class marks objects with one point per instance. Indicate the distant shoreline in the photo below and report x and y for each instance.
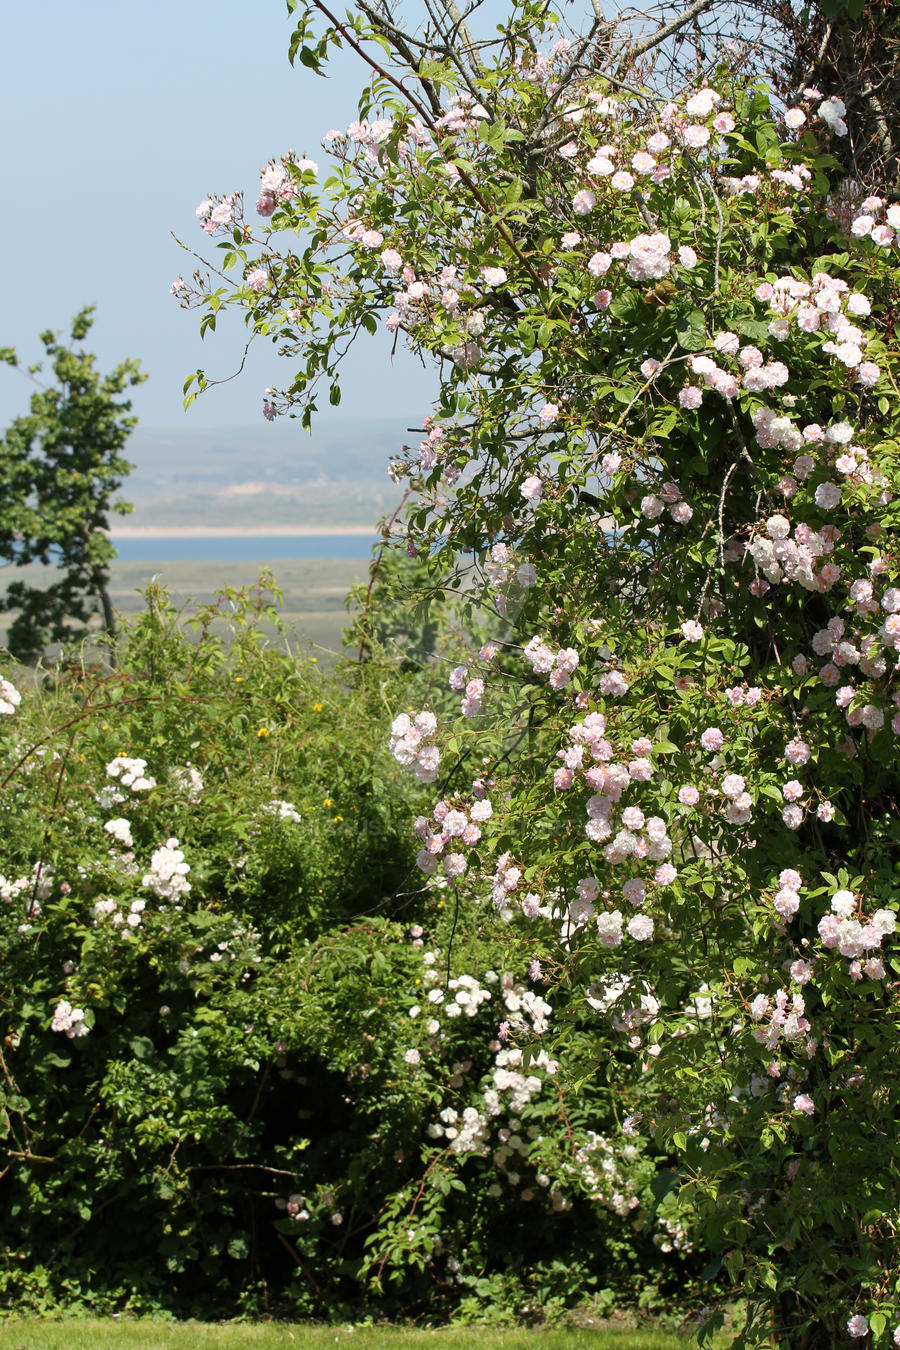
(238, 531)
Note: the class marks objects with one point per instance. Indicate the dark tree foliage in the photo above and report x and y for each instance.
(60, 465)
(848, 48)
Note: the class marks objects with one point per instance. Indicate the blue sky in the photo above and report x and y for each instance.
(117, 120)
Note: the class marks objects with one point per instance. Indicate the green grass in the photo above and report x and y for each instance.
(109, 1334)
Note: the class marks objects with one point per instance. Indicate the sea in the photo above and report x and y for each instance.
(245, 548)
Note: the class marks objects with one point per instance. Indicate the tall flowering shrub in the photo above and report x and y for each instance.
(662, 467)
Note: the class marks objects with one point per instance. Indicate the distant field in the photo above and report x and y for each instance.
(325, 505)
(314, 590)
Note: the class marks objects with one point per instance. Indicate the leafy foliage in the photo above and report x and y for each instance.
(60, 465)
(662, 470)
(232, 1060)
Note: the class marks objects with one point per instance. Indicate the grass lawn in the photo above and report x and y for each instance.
(110, 1334)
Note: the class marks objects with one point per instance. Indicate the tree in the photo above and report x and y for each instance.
(60, 465)
(853, 48)
(663, 460)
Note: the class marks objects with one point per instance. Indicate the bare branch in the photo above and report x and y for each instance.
(402, 44)
(811, 69)
(647, 44)
(456, 53)
(882, 130)
(460, 28)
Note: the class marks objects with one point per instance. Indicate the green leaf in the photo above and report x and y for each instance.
(690, 331)
(663, 425)
(663, 1183)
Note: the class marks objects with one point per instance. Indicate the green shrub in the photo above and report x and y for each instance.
(216, 1086)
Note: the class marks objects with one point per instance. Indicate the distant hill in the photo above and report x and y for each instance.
(270, 474)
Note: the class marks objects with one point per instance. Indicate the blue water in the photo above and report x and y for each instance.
(247, 548)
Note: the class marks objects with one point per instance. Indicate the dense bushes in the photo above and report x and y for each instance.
(237, 1073)
(663, 467)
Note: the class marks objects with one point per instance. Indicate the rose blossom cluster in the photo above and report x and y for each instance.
(496, 1123)
(669, 495)
(217, 214)
(731, 789)
(782, 558)
(784, 1018)
(276, 182)
(619, 166)
(472, 690)
(647, 257)
(128, 921)
(610, 924)
(853, 646)
(167, 873)
(452, 825)
(505, 572)
(430, 448)
(524, 1011)
(504, 883)
(131, 773)
(846, 930)
(466, 1131)
(10, 698)
(630, 1005)
(508, 1092)
(120, 830)
(189, 781)
(411, 744)
(877, 221)
(559, 666)
(11, 889)
(787, 898)
(30, 891)
(462, 996)
(824, 304)
(282, 810)
(591, 756)
(527, 1014)
(70, 1020)
(602, 1175)
(864, 646)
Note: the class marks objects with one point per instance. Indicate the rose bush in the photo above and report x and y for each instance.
(661, 467)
